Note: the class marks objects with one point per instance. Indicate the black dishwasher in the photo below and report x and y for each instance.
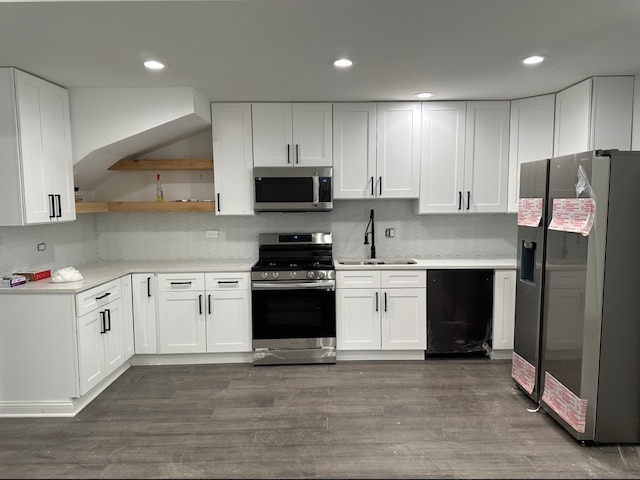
(459, 312)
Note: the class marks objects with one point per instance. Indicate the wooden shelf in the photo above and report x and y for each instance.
(133, 164)
(102, 207)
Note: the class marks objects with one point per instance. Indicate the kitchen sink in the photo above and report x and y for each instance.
(381, 261)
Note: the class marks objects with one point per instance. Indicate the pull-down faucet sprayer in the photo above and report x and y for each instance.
(373, 234)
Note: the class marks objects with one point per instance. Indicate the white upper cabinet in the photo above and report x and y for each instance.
(442, 171)
(593, 114)
(354, 150)
(36, 185)
(232, 158)
(465, 154)
(398, 150)
(292, 134)
(530, 138)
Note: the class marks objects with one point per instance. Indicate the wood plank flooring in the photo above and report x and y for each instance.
(444, 418)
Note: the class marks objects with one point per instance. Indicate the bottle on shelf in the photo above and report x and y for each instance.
(159, 194)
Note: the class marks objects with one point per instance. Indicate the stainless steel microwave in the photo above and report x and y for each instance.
(293, 189)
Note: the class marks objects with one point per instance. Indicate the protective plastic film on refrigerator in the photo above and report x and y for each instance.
(590, 350)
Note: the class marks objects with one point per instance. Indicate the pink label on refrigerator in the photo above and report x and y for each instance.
(523, 372)
(573, 215)
(571, 408)
(529, 211)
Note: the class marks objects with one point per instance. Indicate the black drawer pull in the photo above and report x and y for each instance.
(227, 282)
(103, 296)
(181, 283)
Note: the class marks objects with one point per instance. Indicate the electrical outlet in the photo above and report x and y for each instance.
(41, 247)
(211, 234)
(390, 232)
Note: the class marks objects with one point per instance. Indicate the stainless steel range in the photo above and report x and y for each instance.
(293, 299)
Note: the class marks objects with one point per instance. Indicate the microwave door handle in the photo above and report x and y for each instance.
(316, 190)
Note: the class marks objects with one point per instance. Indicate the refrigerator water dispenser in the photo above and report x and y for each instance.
(528, 261)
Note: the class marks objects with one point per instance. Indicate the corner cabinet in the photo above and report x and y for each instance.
(233, 158)
(464, 157)
(292, 134)
(36, 186)
(530, 138)
(595, 113)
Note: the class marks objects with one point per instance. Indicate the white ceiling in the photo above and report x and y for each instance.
(279, 50)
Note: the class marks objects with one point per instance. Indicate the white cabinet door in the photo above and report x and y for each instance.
(229, 321)
(398, 149)
(144, 312)
(354, 150)
(232, 158)
(442, 170)
(127, 317)
(228, 311)
(312, 135)
(37, 181)
(272, 134)
(181, 322)
(593, 114)
(504, 306)
(530, 138)
(91, 364)
(404, 319)
(486, 157)
(358, 319)
(114, 337)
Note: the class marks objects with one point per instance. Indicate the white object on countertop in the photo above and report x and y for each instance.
(67, 274)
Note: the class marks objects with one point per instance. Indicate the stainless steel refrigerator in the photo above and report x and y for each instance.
(532, 206)
(590, 355)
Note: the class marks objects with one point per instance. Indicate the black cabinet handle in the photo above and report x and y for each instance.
(209, 304)
(103, 296)
(377, 302)
(148, 286)
(288, 153)
(297, 153)
(468, 199)
(459, 199)
(59, 202)
(103, 328)
(385, 301)
(181, 283)
(52, 206)
(218, 202)
(108, 315)
(200, 304)
(380, 186)
(227, 282)
(372, 191)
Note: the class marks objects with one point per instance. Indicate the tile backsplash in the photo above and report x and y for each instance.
(178, 235)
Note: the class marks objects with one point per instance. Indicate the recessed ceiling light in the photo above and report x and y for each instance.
(343, 63)
(153, 65)
(424, 94)
(533, 60)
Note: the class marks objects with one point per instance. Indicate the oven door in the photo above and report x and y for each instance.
(283, 310)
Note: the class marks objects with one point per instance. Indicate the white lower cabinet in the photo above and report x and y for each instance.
(200, 312)
(144, 296)
(101, 346)
(504, 308)
(381, 310)
(127, 317)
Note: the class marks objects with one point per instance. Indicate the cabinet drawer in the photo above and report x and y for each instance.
(228, 281)
(172, 282)
(403, 278)
(358, 279)
(97, 297)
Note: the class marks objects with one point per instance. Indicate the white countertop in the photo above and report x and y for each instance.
(100, 272)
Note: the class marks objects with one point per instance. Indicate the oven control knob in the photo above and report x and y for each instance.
(310, 274)
(275, 274)
(293, 274)
(264, 274)
(321, 275)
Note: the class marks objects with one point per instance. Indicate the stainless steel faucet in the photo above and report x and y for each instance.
(371, 224)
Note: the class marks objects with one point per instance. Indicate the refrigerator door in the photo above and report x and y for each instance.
(530, 278)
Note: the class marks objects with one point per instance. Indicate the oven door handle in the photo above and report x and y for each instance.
(328, 285)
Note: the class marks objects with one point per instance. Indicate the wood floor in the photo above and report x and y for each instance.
(439, 418)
